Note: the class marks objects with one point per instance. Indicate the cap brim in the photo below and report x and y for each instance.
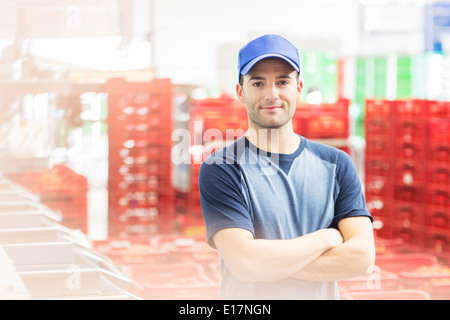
(246, 69)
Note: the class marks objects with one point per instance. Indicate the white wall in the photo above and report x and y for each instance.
(197, 41)
(188, 34)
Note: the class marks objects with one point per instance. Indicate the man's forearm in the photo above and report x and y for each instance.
(336, 264)
(354, 257)
(270, 260)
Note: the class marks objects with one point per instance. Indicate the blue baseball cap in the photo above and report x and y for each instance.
(267, 46)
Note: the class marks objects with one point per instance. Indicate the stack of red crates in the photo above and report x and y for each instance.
(437, 198)
(209, 119)
(323, 121)
(406, 169)
(141, 197)
(61, 189)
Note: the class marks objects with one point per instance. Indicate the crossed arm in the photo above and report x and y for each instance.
(324, 255)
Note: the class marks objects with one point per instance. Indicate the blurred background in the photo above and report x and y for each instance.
(92, 90)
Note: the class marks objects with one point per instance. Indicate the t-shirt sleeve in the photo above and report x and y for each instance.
(222, 201)
(350, 201)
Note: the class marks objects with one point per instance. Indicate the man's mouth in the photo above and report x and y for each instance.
(271, 108)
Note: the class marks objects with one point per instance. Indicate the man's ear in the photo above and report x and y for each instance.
(299, 89)
(240, 93)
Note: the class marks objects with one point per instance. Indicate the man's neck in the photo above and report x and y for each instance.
(277, 140)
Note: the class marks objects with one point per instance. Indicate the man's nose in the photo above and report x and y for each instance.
(272, 93)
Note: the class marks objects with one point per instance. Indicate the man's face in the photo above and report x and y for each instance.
(270, 91)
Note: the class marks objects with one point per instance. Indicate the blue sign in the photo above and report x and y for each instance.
(437, 25)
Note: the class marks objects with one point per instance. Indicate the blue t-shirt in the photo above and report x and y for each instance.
(278, 196)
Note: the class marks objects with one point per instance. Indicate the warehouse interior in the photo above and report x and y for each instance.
(104, 105)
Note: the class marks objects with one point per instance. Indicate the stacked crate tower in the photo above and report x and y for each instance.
(209, 120)
(328, 123)
(141, 197)
(407, 171)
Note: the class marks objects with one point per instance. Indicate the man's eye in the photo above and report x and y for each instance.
(283, 83)
(257, 84)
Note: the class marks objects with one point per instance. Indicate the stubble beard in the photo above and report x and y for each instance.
(273, 123)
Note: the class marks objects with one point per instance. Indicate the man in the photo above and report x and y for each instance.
(286, 214)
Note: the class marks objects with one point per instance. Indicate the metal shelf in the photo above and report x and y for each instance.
(41, 259)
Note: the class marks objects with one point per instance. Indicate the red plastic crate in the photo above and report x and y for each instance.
(132, 199)
(58, 183)
(438, 152)
(438, 194)
(410, 108)
(378, 145)
(139, 181)
(411, 233)
(130, 251)
(163, 153)
(380, 207)
(378, 126)
(413, 193)
(323, 121)
(438, 173)
(189, 203)
(164, 210)
(389, 246)
(119, 138)
(196, 251)
(142, 178)
(340, 107)
(433, 279)
(379, 108)
(409, 172)
(184, 281)
(378, 280)
(408, 213)
(437, 239)
(382, 228)
(388, 295)
(140, 199)
(437, 216)
(141, 104)
(139, 128)
(326, 126)
(439, 130)
(379, 166)
(224, 104)
(220, 114)
(131, 184)
(151, 169)
(136, 228)
(132, 122)
(215, 134)
(439, 109)
(140, 230)
(144, 159)
(410, 150)
(405, 262)
(378, 186)
(409, 129)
